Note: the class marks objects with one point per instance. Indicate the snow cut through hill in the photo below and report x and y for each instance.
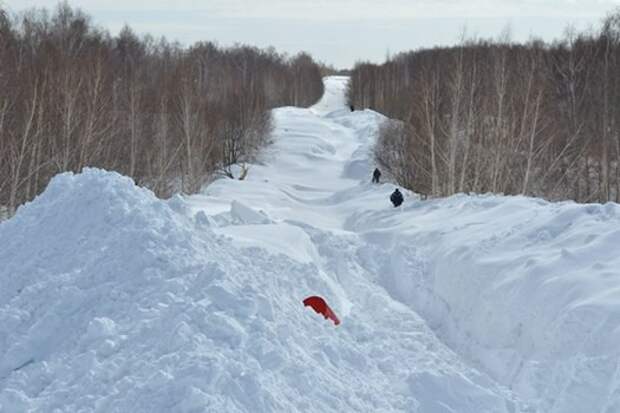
(115, 301)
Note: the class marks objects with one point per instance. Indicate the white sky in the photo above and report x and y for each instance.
(338, 31)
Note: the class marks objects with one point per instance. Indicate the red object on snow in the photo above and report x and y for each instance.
(319, 305)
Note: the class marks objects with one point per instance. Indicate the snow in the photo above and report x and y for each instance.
(112, 300)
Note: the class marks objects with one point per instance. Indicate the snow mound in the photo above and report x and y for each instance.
(243, 214)
(528, 290)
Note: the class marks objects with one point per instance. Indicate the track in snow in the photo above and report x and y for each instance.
(311, 185)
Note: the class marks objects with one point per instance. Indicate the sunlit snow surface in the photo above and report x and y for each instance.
(114, 301)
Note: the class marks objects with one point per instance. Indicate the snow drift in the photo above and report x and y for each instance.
(528, 290)
(114, 301)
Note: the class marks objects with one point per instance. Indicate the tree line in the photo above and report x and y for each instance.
(540, 119)
(72, 95)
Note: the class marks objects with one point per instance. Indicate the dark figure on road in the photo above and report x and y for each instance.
(396, 198)
(352, 108)
(376, 175)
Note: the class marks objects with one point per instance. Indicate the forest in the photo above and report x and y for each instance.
(538, 119)
(172, 117)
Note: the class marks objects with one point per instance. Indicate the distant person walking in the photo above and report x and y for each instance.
(376, 175)
(352, 108)
(396, 198)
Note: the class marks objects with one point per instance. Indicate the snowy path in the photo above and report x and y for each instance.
(311, 186)
(114, 301)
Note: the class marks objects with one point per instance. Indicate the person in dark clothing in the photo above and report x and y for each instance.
(352, 108)
(376, 175)
(396, 198)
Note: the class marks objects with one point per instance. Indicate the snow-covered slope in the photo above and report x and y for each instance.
(114, 301)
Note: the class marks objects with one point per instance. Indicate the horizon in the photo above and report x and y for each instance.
(338, 34)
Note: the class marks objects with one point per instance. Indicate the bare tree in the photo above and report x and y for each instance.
(497, 116)
(74, 96)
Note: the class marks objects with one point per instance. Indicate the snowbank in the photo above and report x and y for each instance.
(529, 291)
(113, 301)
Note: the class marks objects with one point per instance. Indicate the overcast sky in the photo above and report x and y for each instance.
(338, 32)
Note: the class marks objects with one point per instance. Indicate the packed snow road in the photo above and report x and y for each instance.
(114, 301)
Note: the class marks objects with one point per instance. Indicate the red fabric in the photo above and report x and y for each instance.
(320, 306)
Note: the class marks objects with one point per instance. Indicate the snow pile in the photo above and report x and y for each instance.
(527, 290)
(115, 301)
(245, 215)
